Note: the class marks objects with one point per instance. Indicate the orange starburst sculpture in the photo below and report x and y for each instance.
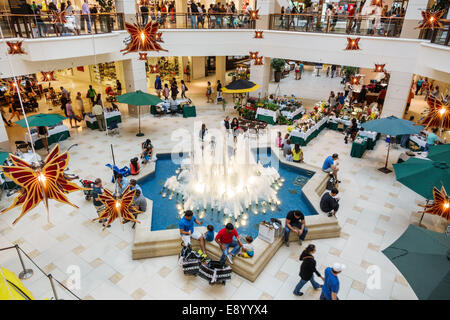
(142, 38)
(378, 3)
(258, 34)
(117, 207)
(143, 56)
(438, 114)
(352, 44)
(379, 68)
(15, 47)
(40, 181)
(259, 61)
(59, 17)
(253, 14)
(253, 55)
(355, 80)
(48, 76)
(431, 20)
(153, 68)
(13, 85)
(440, 206)
(158, 37)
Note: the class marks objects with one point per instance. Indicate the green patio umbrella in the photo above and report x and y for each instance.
(391, 126)
(139, 98)
(41, 119)
(3, 156)
(421, 175)
(423, 258)
(439, 153)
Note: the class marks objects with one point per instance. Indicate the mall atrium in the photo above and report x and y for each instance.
(224, 150)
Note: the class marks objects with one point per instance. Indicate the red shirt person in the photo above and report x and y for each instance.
(225, 240)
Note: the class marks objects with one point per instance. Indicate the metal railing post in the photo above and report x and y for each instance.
(25, 273)
(50, 277)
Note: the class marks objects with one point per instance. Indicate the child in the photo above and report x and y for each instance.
(147, 151)
(289, 155)
(209, 235)
(279, 140)
(247, 249)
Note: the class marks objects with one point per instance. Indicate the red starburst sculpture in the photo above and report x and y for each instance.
(440, 206)
(253, 55)
(117, 207)
(253, 14)
(143, 56)
(259, 61)
(13, 85)
(158, 37)
(431, 20)
(438, 114)
(142, 38)
(40, 181)
(379, 68)
(355, 80)
(353, 44)
(378, 3)
(15, 47)
(59, 17)
(153, 68)
(258, 34)
(48, 76)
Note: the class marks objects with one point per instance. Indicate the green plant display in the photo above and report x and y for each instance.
(278, 64)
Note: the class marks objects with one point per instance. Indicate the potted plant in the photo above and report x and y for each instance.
(278, 67)
(349, 72)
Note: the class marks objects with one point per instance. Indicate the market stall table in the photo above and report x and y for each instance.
(266, 115)
(91, 120)
(417, 143)
(303, 138)
(359, 146)
(55, 134)
(295, 114)
(189, 111)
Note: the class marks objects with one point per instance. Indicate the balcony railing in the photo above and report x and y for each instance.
(45, 25)
(440, 36)
(358, 25)
(199, 21)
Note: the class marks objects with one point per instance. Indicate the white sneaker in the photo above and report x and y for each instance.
(230, 258)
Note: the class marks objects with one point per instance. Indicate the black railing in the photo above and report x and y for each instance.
(356, 25)
(440, 36)
(48, 25)
(199, 21)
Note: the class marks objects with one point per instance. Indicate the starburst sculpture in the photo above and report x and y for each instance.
(438, 114)
(258, 34)
(40, 181)
(259, 61)
(59, 17)
(253, 14)
(15, 47)
(158, 37)
(154, 68)
(253, 55)
(13, 85)
(142, 38)
(48, 76)
(117, 207)
(431, 20)
(355, 80)
(143, 56)
(353, 44)
(378, 3)
(379, 68)
(440, 206)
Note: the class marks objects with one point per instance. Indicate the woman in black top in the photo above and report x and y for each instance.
(352, 131)
(307, 270)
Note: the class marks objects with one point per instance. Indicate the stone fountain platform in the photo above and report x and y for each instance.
(149, 244)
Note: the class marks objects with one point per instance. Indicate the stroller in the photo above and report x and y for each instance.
(113, 128)
(87, 184)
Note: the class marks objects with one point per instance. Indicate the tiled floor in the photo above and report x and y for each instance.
(375, 210)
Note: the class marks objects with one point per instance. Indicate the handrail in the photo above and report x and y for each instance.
(439, 36)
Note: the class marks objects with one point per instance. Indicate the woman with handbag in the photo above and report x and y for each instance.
(307, 270)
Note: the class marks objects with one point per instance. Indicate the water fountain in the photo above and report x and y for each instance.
(227, 182)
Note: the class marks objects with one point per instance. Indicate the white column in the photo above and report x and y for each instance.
(397, 94)
(413, 16)
(135, 79)
(128, 8)
(221, 68)
(266, 7)
(181, 7)
(198, 67)
(261, 75)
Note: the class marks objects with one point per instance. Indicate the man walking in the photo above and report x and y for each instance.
(224, 239)
(295, 218)
(97, 111)
(91, 94)
(330, 286)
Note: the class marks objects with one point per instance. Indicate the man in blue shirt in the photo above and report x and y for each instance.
(122, 182)
(431, 139)
(330, 286)
(158, 85)
(134, 185)
(330, 167)
(187, 232)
